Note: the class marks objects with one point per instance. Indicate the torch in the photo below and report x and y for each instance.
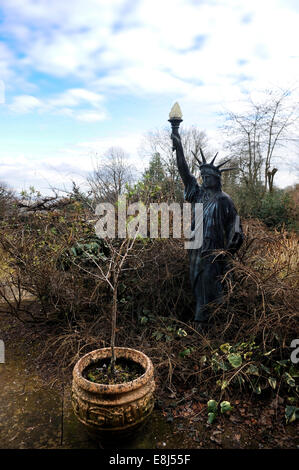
(175, 118)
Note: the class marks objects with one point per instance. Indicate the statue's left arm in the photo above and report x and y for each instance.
(232, 227)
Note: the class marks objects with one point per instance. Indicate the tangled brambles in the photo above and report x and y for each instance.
(56, 258)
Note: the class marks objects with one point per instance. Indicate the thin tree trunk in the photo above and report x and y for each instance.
(113, 327)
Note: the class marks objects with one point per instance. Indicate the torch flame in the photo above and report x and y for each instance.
(175, 112)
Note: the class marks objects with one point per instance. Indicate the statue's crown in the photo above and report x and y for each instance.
(210, 168)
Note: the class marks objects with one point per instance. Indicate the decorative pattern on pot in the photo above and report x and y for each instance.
(113, 409)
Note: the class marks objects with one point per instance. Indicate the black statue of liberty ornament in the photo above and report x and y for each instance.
(221, 228)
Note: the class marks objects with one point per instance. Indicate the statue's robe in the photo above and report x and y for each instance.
(221, 231)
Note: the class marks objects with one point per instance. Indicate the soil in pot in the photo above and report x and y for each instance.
(125, 370)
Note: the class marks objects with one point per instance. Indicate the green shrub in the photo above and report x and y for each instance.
(274, 209)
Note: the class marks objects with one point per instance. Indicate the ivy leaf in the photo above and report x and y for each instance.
(186, 352)
(225, 406)
(181, 332)
(293, 372)
(272, 382)
(269, 352)
(289, 380)
(220, 364)
(73, 250)
(248, 355)
(291, 413)
(266, 369)
(158, 335)
(283, 362)
(225, 348)
(212, 406)
(224, 385)
(257, 389)
(235, 359)
(211, 417)
(253, 370)
(291, 400)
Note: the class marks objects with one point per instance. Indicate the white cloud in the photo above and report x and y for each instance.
(68, 103)
(2, 92)
(97, 147)
(25, 104)
(207, 53)
(44, 170)
(90, 116)
(149, 46)
(75, 163)
(74, 97)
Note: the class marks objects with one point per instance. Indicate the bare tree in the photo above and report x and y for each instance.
(256, 135)
(108, 270)
(7, 199)
(118, 257)
(193, 139)
(111, 175)
(159, 142)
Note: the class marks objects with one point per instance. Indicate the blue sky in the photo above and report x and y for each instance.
(80, 76)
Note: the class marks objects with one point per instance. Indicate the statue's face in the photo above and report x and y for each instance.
(210, 181)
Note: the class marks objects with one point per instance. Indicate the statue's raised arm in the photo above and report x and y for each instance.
(181, 160)
(175, 118)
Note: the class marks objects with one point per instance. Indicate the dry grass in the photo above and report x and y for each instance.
(261, 304)
(155, 307)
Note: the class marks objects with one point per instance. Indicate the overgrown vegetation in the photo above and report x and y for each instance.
(56, 257)
(57, 275)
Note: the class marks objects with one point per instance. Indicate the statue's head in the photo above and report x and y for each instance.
(210, 181)
(211, 174)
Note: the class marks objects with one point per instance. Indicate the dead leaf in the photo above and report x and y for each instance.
(216, 439)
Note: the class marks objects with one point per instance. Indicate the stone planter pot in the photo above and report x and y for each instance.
(113, 410)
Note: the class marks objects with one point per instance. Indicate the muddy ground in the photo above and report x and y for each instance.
(36, 413)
